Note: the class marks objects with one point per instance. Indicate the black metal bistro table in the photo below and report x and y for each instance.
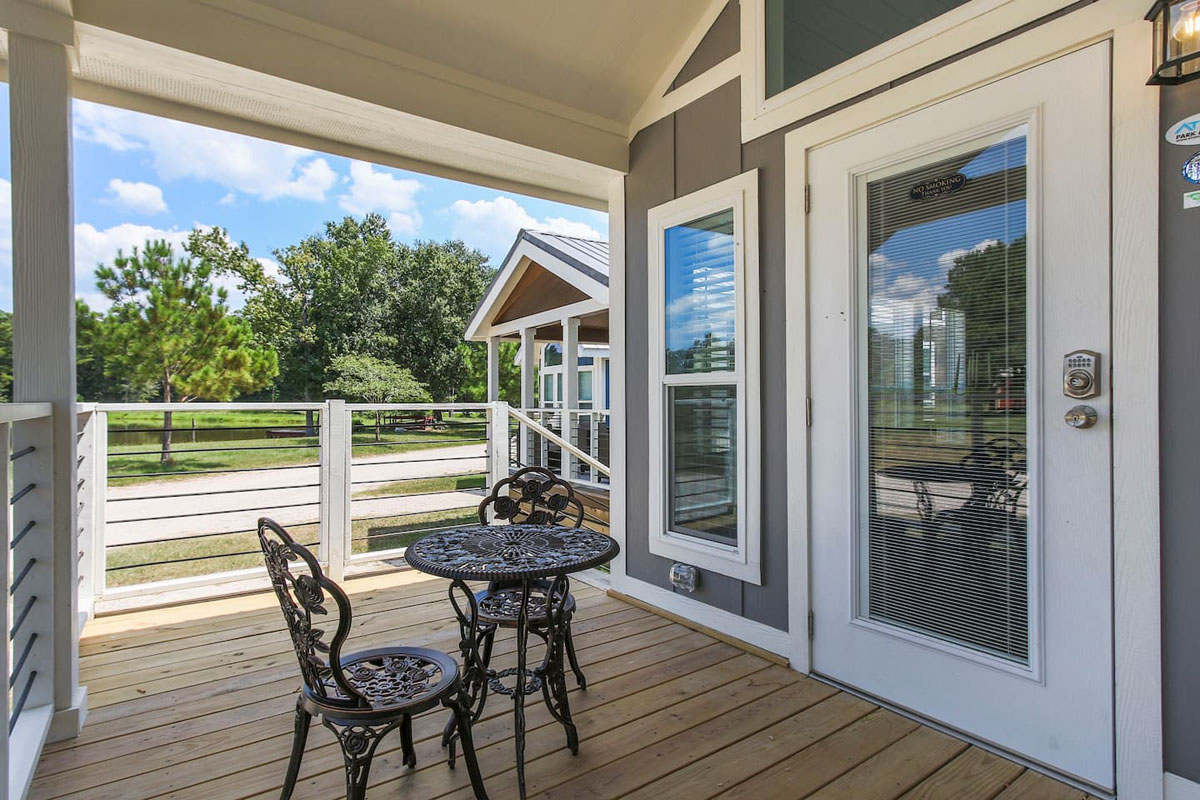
(524, 554)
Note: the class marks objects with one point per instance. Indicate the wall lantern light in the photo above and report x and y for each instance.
(1176, 41)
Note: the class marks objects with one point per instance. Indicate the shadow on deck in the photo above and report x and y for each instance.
(197, 702)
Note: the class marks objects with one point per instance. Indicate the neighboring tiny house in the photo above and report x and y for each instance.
(550, 294)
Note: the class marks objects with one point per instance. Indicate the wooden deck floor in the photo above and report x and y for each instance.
(196, 702)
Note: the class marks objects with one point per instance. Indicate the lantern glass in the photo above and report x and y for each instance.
(1176, 41)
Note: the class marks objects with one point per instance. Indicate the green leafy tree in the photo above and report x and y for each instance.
(374, 380)
(473, 388)
(354, 290)
(170, 326)
(6, 357)
(325, 301)
(91, 381)
(429, 302)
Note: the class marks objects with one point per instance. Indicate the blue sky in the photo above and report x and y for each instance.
(139, 177)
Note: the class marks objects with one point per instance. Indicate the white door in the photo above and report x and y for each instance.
(960, 528)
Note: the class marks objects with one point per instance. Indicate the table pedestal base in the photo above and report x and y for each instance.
(549, 677)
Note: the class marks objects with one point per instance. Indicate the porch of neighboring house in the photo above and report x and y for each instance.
(550, 295)
(197, 701)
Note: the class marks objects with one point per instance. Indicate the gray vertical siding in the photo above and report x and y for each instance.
(722, 41)
(1180, 442)
(696, 147)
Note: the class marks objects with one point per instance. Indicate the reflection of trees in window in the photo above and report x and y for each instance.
(707, 354)
(987, 286)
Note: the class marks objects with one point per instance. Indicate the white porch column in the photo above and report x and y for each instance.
(493, 369)
(528, 383)
(570, 398)
(39, 76)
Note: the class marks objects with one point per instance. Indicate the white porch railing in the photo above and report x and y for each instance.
(586, 430)
(28, 581)
(378, 477)
(356, 466)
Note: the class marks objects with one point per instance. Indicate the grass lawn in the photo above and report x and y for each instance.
(234, 551)
(250, 450)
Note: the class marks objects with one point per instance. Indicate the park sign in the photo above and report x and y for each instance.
(1185, 132)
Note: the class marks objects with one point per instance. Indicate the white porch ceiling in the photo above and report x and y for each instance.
(525, 95)
(599, 57)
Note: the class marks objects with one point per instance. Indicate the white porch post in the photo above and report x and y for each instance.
(528, 382)
(570, 398)
(39, 76)
(336, 525)
(493, 369)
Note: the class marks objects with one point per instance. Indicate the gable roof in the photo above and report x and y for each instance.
(589, 256)
(580, 262)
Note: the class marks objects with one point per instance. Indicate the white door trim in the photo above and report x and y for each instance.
(1137, 634)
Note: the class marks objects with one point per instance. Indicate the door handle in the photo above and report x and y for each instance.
(1081, 417)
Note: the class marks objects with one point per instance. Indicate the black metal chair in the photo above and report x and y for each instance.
(360, 696)
(542, 498)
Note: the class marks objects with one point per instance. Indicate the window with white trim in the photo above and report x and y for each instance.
(803, 38)
(704, 387)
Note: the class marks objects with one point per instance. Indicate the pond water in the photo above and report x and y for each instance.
(185, 434)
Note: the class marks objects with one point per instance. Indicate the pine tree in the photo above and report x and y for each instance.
(171, 327)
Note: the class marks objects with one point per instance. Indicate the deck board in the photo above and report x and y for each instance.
(197, 702)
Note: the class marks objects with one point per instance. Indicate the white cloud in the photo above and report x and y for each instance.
(270, 266)
(136, 196)
(946, 260)
(255, 167)
(381, 191)
(492, 225)
(229, 199)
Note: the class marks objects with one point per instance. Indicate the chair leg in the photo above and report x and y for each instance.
(462, 717)
(299, 739)
(582, 681)
(406, 741)
(488, 640)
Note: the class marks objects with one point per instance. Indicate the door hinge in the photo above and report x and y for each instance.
(812, 625)
(808, 412)
(807, 198)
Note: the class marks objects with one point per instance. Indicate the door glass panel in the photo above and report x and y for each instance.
(700, 295)
(703, 468)
(943, 349)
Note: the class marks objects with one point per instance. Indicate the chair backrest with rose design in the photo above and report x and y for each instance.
(533, 496)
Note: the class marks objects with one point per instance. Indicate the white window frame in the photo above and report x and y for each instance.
(742, 561)
(953, 32)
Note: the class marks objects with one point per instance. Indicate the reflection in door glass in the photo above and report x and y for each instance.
(944, 468)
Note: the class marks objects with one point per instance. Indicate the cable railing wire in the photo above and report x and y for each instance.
(12, 677)
(12, 634)
(24, 451)
(213, 492)
(189, 559)
(17, 581)
(19, 706)
(183, 451)
(22, 533)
